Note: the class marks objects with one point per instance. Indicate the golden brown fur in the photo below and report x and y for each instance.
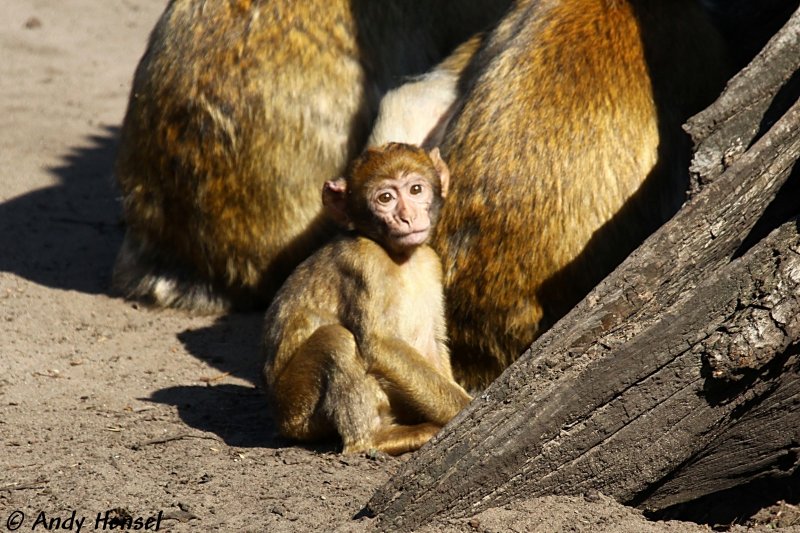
(355, 340)
(239, 110)
(566, 151)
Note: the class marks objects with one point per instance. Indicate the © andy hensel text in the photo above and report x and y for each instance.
(106, 521)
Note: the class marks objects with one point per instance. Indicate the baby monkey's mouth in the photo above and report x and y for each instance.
(417, 236)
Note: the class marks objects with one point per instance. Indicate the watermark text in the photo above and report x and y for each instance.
(72, 521)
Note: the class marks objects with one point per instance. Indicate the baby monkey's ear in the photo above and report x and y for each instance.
(441, 169)
(334, 199)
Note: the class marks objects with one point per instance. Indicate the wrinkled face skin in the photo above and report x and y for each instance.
(403, 205)
(393, 194)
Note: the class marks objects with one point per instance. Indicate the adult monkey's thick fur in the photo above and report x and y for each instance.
(240, 110)
(566, 152)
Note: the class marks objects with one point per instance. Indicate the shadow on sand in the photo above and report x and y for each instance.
(66, 236)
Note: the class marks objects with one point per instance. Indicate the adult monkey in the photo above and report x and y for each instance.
(239, 111)
(566, 151)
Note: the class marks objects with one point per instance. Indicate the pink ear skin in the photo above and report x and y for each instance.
(333, 199)
(441, 168)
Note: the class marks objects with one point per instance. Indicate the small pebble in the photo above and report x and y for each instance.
(33, 23)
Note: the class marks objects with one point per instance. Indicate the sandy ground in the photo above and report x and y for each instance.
(108, 409)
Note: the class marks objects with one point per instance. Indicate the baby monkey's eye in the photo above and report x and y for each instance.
(416, 189)
(385, 198)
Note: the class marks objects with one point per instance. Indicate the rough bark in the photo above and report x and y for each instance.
(725, 129)
(677, 375)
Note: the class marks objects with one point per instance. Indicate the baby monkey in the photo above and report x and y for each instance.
(355, 340)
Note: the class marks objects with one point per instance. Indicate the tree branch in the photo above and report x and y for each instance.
(725, 129)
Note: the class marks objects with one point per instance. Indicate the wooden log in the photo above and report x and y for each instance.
(626, 422)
